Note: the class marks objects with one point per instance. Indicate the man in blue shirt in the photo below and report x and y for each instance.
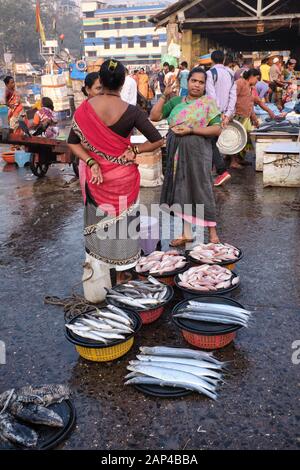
(183, 78)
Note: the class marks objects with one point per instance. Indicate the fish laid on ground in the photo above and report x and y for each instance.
(36, 414)
(178, 352)
(213, 253)
(104, 325)
(142, 294)
(29, 404)
(160, 262)
(207, 278)
(13, 431)
(175, 378)
(45, 395)
(215, 313)
(192, 370)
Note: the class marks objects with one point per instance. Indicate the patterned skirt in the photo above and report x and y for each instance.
(114, 241)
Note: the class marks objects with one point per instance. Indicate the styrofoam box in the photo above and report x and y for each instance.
(281, 169)
(263, 142)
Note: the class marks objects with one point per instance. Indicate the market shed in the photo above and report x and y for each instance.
(240, 25)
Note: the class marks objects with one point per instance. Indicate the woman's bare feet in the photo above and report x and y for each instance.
(213, 235)
(180, 241)
(235, 164)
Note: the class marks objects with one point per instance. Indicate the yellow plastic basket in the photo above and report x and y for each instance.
(105, 354)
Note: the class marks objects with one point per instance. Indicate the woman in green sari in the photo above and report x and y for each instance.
(193, 121)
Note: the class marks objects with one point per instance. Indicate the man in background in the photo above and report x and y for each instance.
(129, 90)
(220, 86)
(183, 78)
(162, 75)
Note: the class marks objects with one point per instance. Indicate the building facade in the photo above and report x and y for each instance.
(123, 31)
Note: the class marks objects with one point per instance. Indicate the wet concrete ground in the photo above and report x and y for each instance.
(42, 253)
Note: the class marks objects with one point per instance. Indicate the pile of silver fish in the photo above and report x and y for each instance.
(160, 262)
(208, 278)
(29, 405)
(144, 295)
(174, 367)
(213, 253)
(214, 313)
(105, 325)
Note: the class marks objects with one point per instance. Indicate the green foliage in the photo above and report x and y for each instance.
(18, 24)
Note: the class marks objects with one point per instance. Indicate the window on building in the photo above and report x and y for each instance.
(90, 14)
(155, 41)
(105, 24)
(142, 21)
(106, 43)
(131, 43)
(91, 34)
(117, 23)
(143, 41)
(130, 22)
(92, 53)
(119, 43)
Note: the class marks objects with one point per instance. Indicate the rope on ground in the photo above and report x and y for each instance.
(74, 305)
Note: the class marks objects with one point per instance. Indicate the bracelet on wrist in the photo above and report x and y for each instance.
(90, 162)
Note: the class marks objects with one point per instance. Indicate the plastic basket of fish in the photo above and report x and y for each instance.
(207, 280)
(221, 254)
(167, 372)
(103, 334)
(210, 322)
(162, 265)
(148, 298)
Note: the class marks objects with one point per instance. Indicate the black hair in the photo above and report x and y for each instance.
(172, 68)
(112, 74)
(251, 73)
(228, 60)
(218, 57)
(197, 70)
(166, 64)
(8, 79)
(135, 71)
(89, 81)
(248, 61)
(184, 64)
(47, 103)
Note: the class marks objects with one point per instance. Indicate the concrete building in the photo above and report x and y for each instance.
(122, 31)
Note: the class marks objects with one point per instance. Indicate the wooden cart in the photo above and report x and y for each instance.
(43, 151)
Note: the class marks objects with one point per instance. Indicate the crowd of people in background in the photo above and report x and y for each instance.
(235, 84)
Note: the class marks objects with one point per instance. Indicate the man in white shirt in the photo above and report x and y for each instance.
(129, 90)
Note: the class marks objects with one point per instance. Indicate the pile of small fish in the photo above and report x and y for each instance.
(174, 367)
(160, 262)
(214, 313)
(105, 325)
(208, 278)
(30, 405)
(140, 294)
(214, 253)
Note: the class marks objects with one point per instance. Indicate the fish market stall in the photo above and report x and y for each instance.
(282, 165)
(273, 132)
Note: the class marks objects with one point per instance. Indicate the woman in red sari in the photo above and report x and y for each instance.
(110, 180)
(13, 101)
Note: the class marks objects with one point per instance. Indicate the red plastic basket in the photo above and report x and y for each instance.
(208, 342)
(151, 316)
